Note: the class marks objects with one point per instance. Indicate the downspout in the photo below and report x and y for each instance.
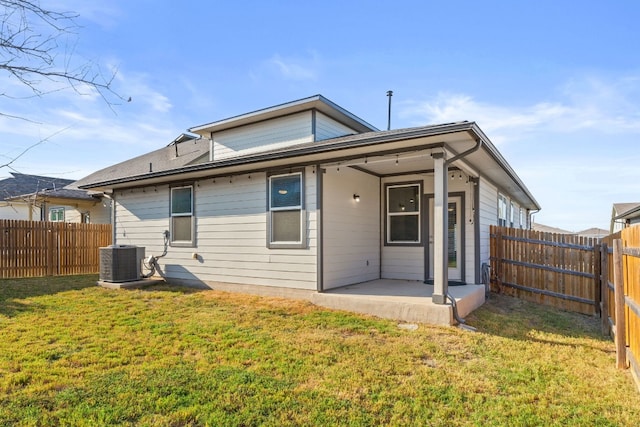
(320, 228)
(530, 214)
(112, 198)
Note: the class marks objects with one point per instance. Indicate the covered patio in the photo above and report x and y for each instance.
(405, 300)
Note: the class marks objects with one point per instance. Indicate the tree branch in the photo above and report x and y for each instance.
(42, 141)
(30, 42)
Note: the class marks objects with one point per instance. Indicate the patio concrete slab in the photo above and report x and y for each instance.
(404, 300)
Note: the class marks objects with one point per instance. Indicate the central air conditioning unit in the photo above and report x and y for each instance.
(121, 263)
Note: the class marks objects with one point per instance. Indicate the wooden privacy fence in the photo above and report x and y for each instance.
(560, 270)
(576, 274)
(621, 296)
(34, 248)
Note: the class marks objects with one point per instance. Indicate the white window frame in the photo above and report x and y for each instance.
(185, 243)
(58, 210)
(389, 215)
(302, 243)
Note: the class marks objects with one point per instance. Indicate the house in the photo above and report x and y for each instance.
(624, 215)
(536, 226)
(306, 195)
(42, 198)
(594, 232)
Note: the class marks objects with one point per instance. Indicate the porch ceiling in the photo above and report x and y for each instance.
(417, 159)
(404, 157)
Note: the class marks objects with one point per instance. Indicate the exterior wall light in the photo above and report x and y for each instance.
(356, 197)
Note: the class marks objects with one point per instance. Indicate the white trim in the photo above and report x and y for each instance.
(417, 213)
(189, 214)
(291, 208)
(57, 209)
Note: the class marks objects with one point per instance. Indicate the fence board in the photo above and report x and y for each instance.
(548, 268)
(35, 248)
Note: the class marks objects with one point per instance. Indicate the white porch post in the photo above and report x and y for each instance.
(440, 230)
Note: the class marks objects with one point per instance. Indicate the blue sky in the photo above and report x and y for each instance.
(555, 85)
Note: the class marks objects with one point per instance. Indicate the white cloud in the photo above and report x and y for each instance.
(105, 14)
(575, 148)
(84, 134)
(136, 87)
(291, 68)
(582, 104)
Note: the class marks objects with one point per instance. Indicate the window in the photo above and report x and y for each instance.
(502, 210)
(521, 218)
(182, 216)
(56, 214)
(403, 214)
(286, 213)
(512, 213)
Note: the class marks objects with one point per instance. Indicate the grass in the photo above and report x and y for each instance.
(72, 353)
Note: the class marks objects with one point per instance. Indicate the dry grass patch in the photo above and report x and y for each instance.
(76, 354)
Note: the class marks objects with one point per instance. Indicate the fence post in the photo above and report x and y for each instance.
(618, 280)
(604, 285)
(597, 280)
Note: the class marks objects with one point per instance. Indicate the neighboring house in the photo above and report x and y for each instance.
(548, 229)
(307, 195)
(41, 198)
(596, 233)
(624, 215)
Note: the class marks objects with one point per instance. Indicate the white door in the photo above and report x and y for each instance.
(454, 235)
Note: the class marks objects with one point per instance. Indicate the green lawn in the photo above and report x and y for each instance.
(72, 353)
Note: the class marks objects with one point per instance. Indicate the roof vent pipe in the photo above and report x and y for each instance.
(389, 95)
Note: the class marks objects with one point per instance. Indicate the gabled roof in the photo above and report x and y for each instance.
(316, 102)
(164, 166)
(626, 210)
(593, 232)
(187, 159)
(548, 229)
(21, 184)
(58, 193)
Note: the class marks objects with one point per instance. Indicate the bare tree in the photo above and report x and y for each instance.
(37, 48)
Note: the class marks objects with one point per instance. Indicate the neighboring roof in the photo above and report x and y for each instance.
(593, 232)
(626, 210)
(58, 193)
(316, 102)
(21, 184)
(547, 229)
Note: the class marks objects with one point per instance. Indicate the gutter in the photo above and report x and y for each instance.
(464, 153)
